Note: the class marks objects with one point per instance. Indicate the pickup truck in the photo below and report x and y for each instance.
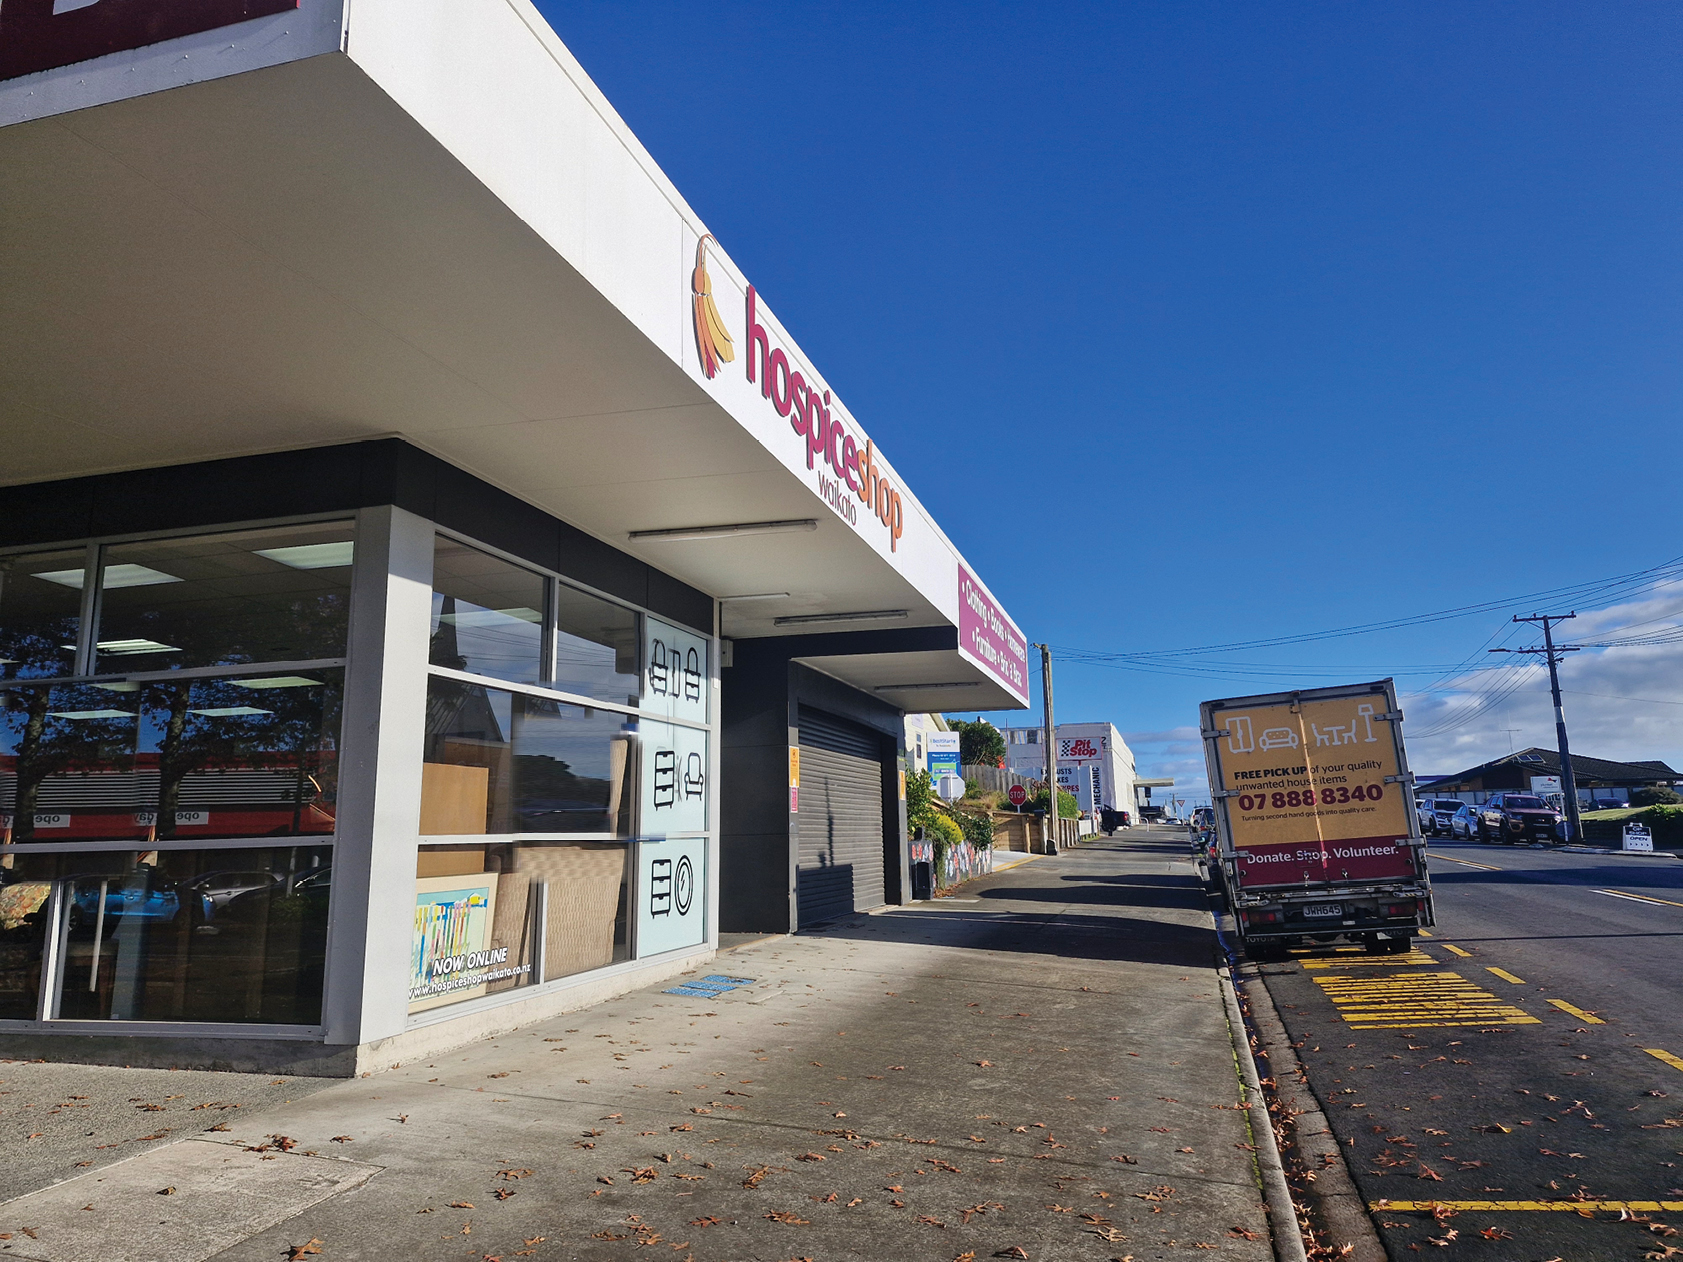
(1317, 835)
(1511, 817)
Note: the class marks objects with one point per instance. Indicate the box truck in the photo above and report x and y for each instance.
(1317, 836)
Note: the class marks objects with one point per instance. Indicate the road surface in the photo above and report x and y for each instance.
(1513, 1089)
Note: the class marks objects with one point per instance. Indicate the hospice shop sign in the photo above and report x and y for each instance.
(38, 35)
(986, 636)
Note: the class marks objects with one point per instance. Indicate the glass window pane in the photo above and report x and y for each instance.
(191, 935)
(486, 915)
(247, 756)
(596, 647)
(68, 770)
(24, 907)
(243, 756)
(487, 615)
(274, 595)
(500, 762)
(40, 612)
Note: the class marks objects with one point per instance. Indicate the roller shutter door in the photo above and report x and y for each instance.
(840, 860)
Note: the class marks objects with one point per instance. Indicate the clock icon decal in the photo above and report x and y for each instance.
(683, 885)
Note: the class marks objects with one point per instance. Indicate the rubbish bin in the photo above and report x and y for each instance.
(923, 880)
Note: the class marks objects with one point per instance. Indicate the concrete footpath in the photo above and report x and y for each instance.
(1037, 1067)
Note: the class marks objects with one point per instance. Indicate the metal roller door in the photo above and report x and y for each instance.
(840, 860)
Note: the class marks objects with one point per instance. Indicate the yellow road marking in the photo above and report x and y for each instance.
(1465, 955)
(1640, 898)
(1409, 1000)
(1425, 933)
(1667, 1057)
(1488, 867)
(1359, 959)
(1577, 1012)
(1426, 1207)
(1506, 976)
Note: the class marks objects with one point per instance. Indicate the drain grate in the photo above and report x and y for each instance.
(710, 987)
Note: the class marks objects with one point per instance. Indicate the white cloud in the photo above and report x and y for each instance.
(1176, 753)
(1624, 703)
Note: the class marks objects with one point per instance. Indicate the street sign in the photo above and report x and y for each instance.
(943, 755)
(1017, 794)
(1638, 837)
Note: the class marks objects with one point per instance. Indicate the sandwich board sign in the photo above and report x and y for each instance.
(1638, 837)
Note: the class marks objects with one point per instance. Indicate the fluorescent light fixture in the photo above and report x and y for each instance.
(91, 714)
(276, 681)
(230, 711)
(759, 596)
(312, 556)
(860, 615)
(128, 648)
(490, 617)
(120, 686)
(115, 576)
(957, 683)
(730, 531)
(64, 578)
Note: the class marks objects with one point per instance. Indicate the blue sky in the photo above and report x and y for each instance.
(1202, 323)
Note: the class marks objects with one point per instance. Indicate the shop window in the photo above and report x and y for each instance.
(24, 906)
(276, 595)
(251, 755)
(234, 936)
(487, 615)
(494, 917)
(595, 647)
(40, 613)
(501, 762)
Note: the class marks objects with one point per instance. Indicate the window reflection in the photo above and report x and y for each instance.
(187, 935)
(487, 615)
(501, 762)
(274, 595)
(239, 756)
(40, 613)
(596, 647)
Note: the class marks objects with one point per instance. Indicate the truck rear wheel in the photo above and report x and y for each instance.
(1396, 945)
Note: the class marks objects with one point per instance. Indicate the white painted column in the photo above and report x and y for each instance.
(373, 909)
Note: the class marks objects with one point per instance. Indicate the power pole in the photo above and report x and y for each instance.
(1051, 746)
(1568, 781)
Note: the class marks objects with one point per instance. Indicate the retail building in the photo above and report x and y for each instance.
(435, 590)
(1094, 762)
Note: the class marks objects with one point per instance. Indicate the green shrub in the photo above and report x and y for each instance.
(977, 829)
(1068, 807)
(1655, 797)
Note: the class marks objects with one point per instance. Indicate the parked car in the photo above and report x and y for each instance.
(1464, 823)
(1439, 811)
(1608, 804)
(214, 890)
(138, 894)
(1514, 817)
(1110, 819)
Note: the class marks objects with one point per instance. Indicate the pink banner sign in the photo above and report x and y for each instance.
(986, 636)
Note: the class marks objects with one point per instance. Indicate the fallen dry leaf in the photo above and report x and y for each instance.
(786, 1216)
(312, 1245)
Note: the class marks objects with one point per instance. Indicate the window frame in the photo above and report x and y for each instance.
(52, 962)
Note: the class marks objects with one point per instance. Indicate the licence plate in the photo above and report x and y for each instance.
(1324, 909)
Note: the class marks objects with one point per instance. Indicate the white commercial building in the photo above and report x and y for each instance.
(1084, 750)
(436, 591)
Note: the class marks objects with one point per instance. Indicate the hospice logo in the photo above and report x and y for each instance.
(712, 340)
(858, 478)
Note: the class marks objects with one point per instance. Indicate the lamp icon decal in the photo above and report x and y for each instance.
(712, 339)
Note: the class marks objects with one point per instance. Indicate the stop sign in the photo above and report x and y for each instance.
(1018, 795)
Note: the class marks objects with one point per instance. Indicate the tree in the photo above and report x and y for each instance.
(1657, 795)
(980, 744)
